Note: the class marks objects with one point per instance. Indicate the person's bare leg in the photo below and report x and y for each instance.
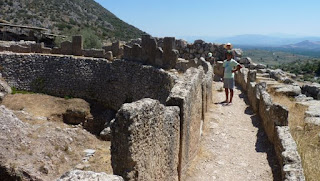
(231, 95)
(227, 94)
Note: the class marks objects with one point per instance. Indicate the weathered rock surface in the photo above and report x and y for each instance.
(187, 94)
(312, 90)
(281, 76)
(4, 88)
(79, 175)
(288, 90)
(110, 83)
(38, 149)
(152, 127)
(288, 156)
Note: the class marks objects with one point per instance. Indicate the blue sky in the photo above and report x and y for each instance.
(218, 18)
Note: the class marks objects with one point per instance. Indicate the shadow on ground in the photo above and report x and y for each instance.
(263, 145)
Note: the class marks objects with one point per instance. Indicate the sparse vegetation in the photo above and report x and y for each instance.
(310, 69)
(67, 17)
(273, 58)
(16, 91)
(303, 65)
(305, 136)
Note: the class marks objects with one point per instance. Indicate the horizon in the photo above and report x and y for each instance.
(206, 18)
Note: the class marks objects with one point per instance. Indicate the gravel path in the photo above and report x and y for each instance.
(234, 145)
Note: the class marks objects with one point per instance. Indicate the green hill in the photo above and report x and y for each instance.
(69, 17)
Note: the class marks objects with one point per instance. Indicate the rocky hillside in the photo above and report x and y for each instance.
(68, 17)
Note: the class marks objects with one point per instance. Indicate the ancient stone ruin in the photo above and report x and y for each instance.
(160, 89)
(160, 112)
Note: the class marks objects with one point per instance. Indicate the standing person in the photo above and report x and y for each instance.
(210, 58)
(230, 66)
(228, 46)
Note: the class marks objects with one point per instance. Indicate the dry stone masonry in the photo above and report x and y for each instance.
(161, 106)
(161, 89)
(274, 120)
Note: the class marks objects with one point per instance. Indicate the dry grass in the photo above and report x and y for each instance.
(50, 138)
(305, 136)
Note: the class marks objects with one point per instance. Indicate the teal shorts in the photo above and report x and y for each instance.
(228, 83)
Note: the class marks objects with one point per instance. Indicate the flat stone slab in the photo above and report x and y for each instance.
(315, 121)
(289, 90)
(313, 108)
(303, 98)
(264, 75)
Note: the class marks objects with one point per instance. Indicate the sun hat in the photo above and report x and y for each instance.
(227, 44)
(209, 54)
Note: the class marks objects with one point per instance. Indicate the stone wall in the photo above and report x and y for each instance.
(275, 122)
(74, 47)
(150, 53)
(147, 141)
(124, 81)
(187, 94)
(111, 83)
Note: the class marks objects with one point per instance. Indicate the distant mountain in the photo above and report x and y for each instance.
(67, 17)
(264, 40)
(307, 45)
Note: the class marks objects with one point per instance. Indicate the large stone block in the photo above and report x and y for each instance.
(187, 94)
(109, 55)
(149, 49)
(272, 115)
(218, 68)
(147, 144)
(115, 47)
(37, 48)
(66, 48)
(46, 50)
(96, 53)
(252, 76)
(312, 90)
(241, 77)
(20, 49)
(265, 105)
(288, 90)
(170, 55)
(288, 156)
(252, 96)
(77, 45)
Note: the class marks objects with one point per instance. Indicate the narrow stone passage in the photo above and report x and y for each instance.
(234, 145)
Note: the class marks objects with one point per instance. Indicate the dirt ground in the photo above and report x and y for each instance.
(234, 145)
(42, 144)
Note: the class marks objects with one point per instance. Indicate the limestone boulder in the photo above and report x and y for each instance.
(105, 134)
(312, 90)
(286, 151)
(252, 75)
(147, 144)
(261, 66)
(253, 66)
(4, 88)
(238, 52)
(109, 55)
(303, 98)
(289, 90)
(245, 60)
